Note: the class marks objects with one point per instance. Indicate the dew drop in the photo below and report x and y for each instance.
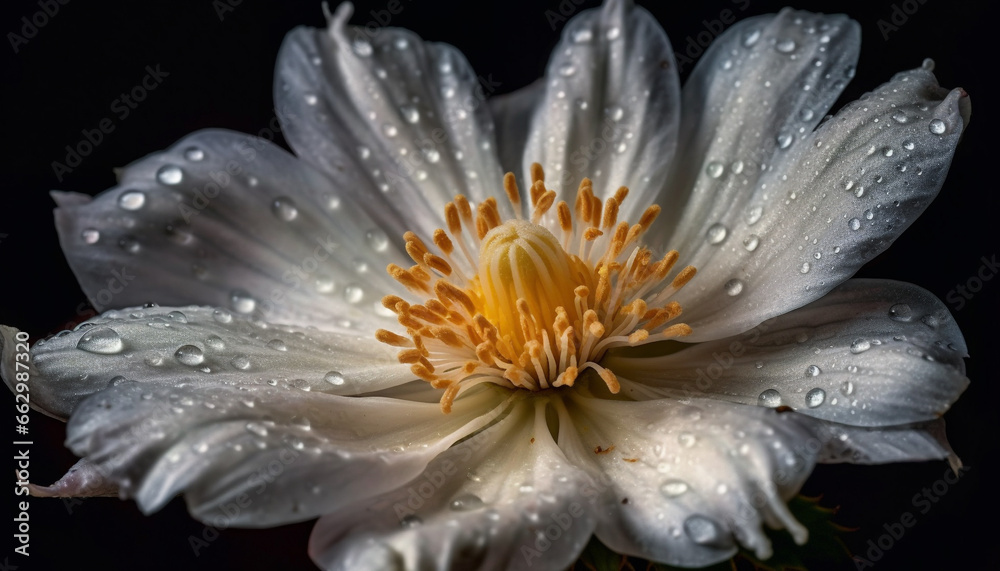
(241, 362)
(673, 488)
(129, 244)
(241, 301)
(222, 316)
(716, 233)
(812, 371)
(860, 346)
(103, 341)
(854, 224)
(752, 214)
(170, 175)
(194, 154)
(786, 46)
(583, 36)
(390, 130)
(613, 33)
(353, 293)
(805, 267)
(702, 530)
(324, 284)
(177, 316)
(815, 397)
(806, 114)
(190, 355)
(714, 169)
(785, 140)
(901, 312)
(615, 113)
(769, 398)
(377, 240)
(869, 214)
(363, 48)
(284, 208)
(567, 69)
(90, 236)
(734, 287)
(257, 428)
(937, 126)
(410, 114)
(686, 439)
(410, 521)
(900, 117)
(751, 38)
(466, 502)
(737, 167)
(334, 378)
(277, 345)
(311, 99)
(847, 388)
(132, 200)
(751, 242)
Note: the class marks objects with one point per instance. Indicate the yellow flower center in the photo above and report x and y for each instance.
(531, 304)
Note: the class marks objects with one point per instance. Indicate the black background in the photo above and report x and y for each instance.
(65, 78)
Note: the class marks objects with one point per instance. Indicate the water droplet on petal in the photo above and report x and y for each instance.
(687, 439)
(815, 397)
(353, 293)
(812, 371)
(222, 316)
(257, 428)
(860, 346)
(177, 316)
(702, 530)
(377, 240)
(714, 169)
(410, 521)
(410, 114)
(466, 502)
(284, 208)
(734, 287)
(390, 130)
(129, 244)
(241, 362)
(277, 345)
(716, 233)
(613, 33)
(673, 488)
(786, 46)
(751, 38)
(90, 236)
(170, 175)
(103, 341)
(753, 214)
(901, 312)
(132, 200)
(805, 267)
(847, 388)
(334, 378)
(854, 224)
(785, 140)
(567, 69)
(241, 301)
(937, 127)
(751, 242)
(362, 48)
(582, 36)
(189, 355)
(769, 398)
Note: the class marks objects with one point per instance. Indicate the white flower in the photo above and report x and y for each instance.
(570, 406)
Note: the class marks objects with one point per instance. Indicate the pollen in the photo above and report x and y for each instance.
(532, 302)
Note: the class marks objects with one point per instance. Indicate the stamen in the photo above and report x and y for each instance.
(516, 308)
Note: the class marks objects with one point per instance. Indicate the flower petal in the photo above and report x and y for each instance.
(869, 353)
(84, 480)
(512, 114)
(231, 220)
(611, 106)
(881, 445)
(764, 76)
(406, 120)
(257, 455)
(200, 346)
(682, 480)
(507, 498)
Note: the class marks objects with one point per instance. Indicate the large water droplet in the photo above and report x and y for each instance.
(805, 267)
(812, 371)
(687, 439)
(90, 236)
(103, 341)
(190, 355)
(583, 36)
(815, 397)
(716, 233)
(222, 316)
(673, 488)
(785, 46)
(334, 378)
(734, 287)
(170, 175)
(847, 388)
(751, 242)
(860, 346)
(241, 362)
(937, 127)
(466, 502)
(613, 33)
(714, 169)
(241, 301)
(277, 345)
(377, 240)
(702, 530)
(353, 293)
(901, 312)
(753, 214)
(567, 69)
(854, 224)
(132, 200)
(785, 140)
(769, 398)
(284, 208)
(751, 38)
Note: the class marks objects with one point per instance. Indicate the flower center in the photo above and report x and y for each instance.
(531, 304)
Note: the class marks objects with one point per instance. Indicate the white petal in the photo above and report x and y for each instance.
(880, 445)
(257, 455)
(815, 216)
(198, 347)
(230, 220)
(611, 106)
(84, 480)
(759, 79)
(512, 114)
(506, 498)
(870, 353)
(682, 480)
(406, 120)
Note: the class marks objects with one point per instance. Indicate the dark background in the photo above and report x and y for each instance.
(65, 78)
